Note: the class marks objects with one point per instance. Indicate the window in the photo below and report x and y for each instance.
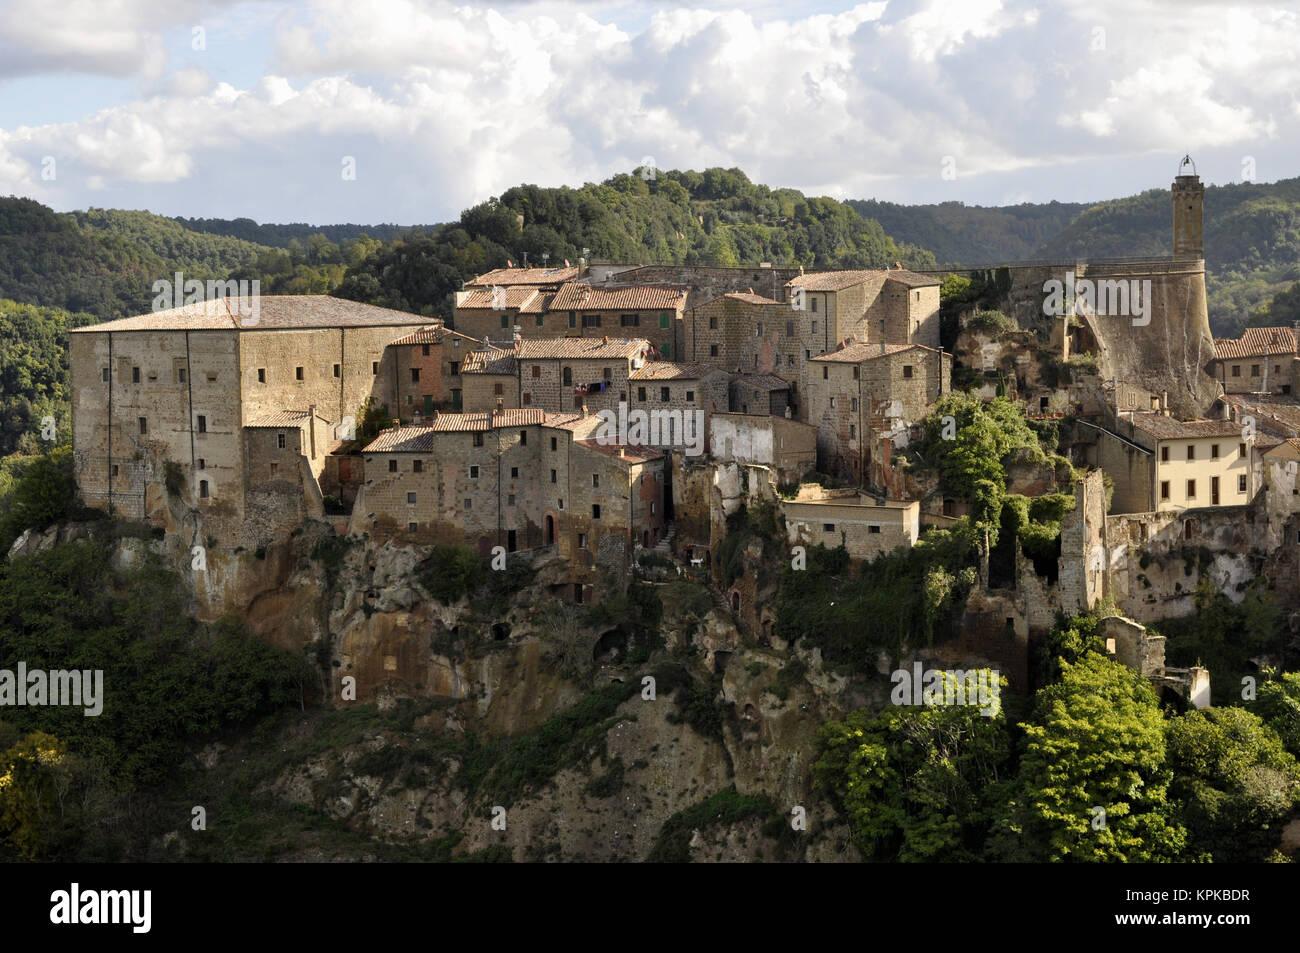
(561, 504)
(115, 469)
(417, 466)
(1254, 370)
(539, 320)
(528, 399)
(663, 394)
(469, 504)
(640, 393)
(473, 472)
(505, 320)
(667, 351)
(582, 540)
(497, 390)
(573, 319)
(690, 396)
(713, 352)
(203, 424)
(424, 350)
(1236, 370)
(1164, 489)
(537, 370)
(853, 431)
(554, 444)
(1191, 451)
(1277, 368)
(664, 318)
(1191, 489)
(410, 497)
(652, 508)
(595, 479)
(392, 466)
(478, 440)
(832, 401)
(814, 307)
(337, 370)
(907, 370)
(807, 354)
(595, 511)
(261, 375)
(828, 527)
(144, 425)
(415, 375)
(523, 438)
(453, 368)
(567, 376)
(789, 329)
(853, 403)
(212, 377)
(202, 464)
(1214, 451)
(412, 527)
(180, 376)
(203, 489)
(758, 329)
(1241, 483)
(135, 375)
(297, 373)
(1164, 454)
(630, 320)
(857, 372)
(279, 441)
(826, 373)
(553, 476)
(510, 500)
(591, 320)
(514, 473)
(104, 373)
(873, 529)
(374, 367)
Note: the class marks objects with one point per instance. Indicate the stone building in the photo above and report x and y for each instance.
(650, 312)
(1260, 361)
(894, 306)
(863, 526)
(175, 390)
(493, 314)
(556, 375)
(519, 479)
(861, 393)
(788, 447)
(761, 394)
(426, 371)
(746, 333)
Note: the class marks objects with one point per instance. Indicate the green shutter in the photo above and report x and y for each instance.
(505, 320)
(664, 318)
(667, 351)
(573, 319)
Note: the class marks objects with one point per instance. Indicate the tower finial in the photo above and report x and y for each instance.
(1187, 160)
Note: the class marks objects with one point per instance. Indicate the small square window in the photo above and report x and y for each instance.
(392, 466)
(663, 394)
(907, 370)
(115, 469)
(582, 540)
(1241, 449)
(828, 527)
(412, 527)
(415, 375)
(1236, 370)
(498, 390)
(410, 497)
(203, 489)
(338, 370)
(640, 393)
(826, 373)
(1241, 483)
(180, 375)
(857, 372)
(424, 350)
(595, 479)
(469, 504)
(832, 402)
(537, 370)
(374, 367)
(1214, 451)
(553, 476)
(473, 472)
(514, 473)
(595, 511)
(713, 352)
(104, 373)
(417, 466)
(144, 425)
(1164, 454)
(873, 529)
(713, 324)
(1191, 451)
(297, 373)
(853, 403)
(1191, 489)
(510, 500)
(478, 439)
(523, 438)
(561, 504)
(279, 441)
(554, 443)
(853, 431)
(135, 375)
(203, 424)
(261, 375)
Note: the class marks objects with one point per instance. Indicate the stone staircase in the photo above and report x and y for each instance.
(665, 544)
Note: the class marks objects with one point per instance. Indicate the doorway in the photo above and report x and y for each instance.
(1214, 491)
(550, 530)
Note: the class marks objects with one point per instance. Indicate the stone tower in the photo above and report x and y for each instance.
(1188, 196)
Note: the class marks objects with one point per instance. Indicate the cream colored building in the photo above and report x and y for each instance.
(845, 517)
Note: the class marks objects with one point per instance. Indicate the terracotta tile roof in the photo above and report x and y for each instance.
(670, 370)
(577, 348)
(539, 303)
(831, 280)
(524, 276)
(516, 299)
(433, 335)
(750, 298)
(1171, 428)
(1257, 342)
(419, 438)
(1280, 414)
(274, 312)
(857, 353)
(768, 382)
(583, 297)
(489, 361)
(910, 278)
(282, 418)
(629, 454)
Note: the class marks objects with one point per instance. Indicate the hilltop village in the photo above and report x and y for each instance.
(605, 411)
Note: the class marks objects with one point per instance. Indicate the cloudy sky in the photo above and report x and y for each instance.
(410, 110)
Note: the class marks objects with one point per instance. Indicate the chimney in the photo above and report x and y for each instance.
(584, 410)
(500, 408)
(1164, 402)
(435, 415)
(311, 429)
(1226, 411)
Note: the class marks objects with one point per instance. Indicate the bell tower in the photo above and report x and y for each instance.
(1188, 197)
